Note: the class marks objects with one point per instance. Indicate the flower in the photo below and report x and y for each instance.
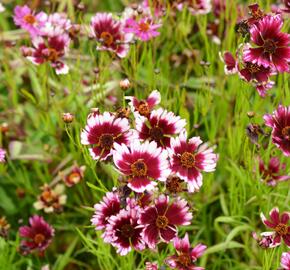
(144, 107)
(125, 232)
(188, 159)
(279, 121)
(110, 33)
(272, 45)
(151, 266)
(280, 226)
(230, 63)
(256, 14)
(51, 49)
(38, 235)
(125, 84)
(109, 206)
(141, 164)
(4, 227)
(2, 155)
(264, 241)
(28, 20)
(102, 131)
(56, 22)
(160, 219)
(285, 260)
(271, 174)
(73, 175)
(144, 29)
(196, 7)
(263, 87)
(159, 126)
(67, 117)
(2, 8)
(51, 199)
(186, 256)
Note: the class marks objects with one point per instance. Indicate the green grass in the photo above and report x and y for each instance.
(32, 100)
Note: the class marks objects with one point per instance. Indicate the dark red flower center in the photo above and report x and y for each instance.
(74, 178)
(106, 141)
(107, 38)
(187, 160)
(52, 55)
(252, 68)
(39, 238)
(143, 108)
(144, 27)
(269, 46)
(29, 19)
(286, 132)
(156, 133)
(281, 229)
(127, 230)
(47, 196)
(161, 222)
(184, 259)
(139, 168)
(174, 184)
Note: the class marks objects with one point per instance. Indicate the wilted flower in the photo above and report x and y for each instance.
(110, 33)
(285, 260)
(175, 185)
(279, 121)
(151, 266)
(38, 235)
(67, 117)
(4, 227)
(144, 107)
(188, 158)
(141, 164)
(51, 199)
(162, 218)
(2, 155)
(186, 256)
(73, 176)
(264, 241)
(102, 130)
(159, 127)
(256, 14)
(29, 20)
(271, 174)
(230, 63)
(280, 226)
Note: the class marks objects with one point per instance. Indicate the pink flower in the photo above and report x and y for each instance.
(264, 241)
(28, 20)
(186, 256)
(110, 33)
(144, 29)
(2, 155)
(124, 231)
(38, 235)
(159, 127)
(102, 130)
(285, 260)
(272, 45)
(141, 164)
(280, 226)
(188, 158)
(271, 174)
(109, 206)
(196, 7)
(151, 266)
(144, 107)
(231, 64)
(279, 121)
(160, 220)
(263, 87)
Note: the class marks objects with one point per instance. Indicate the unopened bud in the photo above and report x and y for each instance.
(67, 117)
(125, 84)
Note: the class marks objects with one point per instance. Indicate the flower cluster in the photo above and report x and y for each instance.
(153, 155)
(265, 51)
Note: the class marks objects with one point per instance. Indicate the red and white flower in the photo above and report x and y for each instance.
(144, 107)
(196, 7)
(280, 226)
(110, 33)
(161, 220)
(285, 260)
(188, 158)
(102, 131)
(159, 127)
(141, 164)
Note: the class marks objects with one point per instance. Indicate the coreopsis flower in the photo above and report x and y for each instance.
(110, 33)
(256, 14)
(159, 127)
(2, 155)
(125, 232)
(263, 87)
(279, 121)
(279, 224)
(162, 218)
(109, 206)
(29, 20)
(151, 266)
(38, 235)
(231, 64)
(102, 131)
(51, 49)
(286, 9)
(144, 107)
(4, 227)
(272, 46)
(196, 7)
(56, 22)
(144, 29)
(73, 176)
(264, 241)
(51, 199)
(271, 174)
(141, 164)
(186, 256)
(188, 158)
(285, 260)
